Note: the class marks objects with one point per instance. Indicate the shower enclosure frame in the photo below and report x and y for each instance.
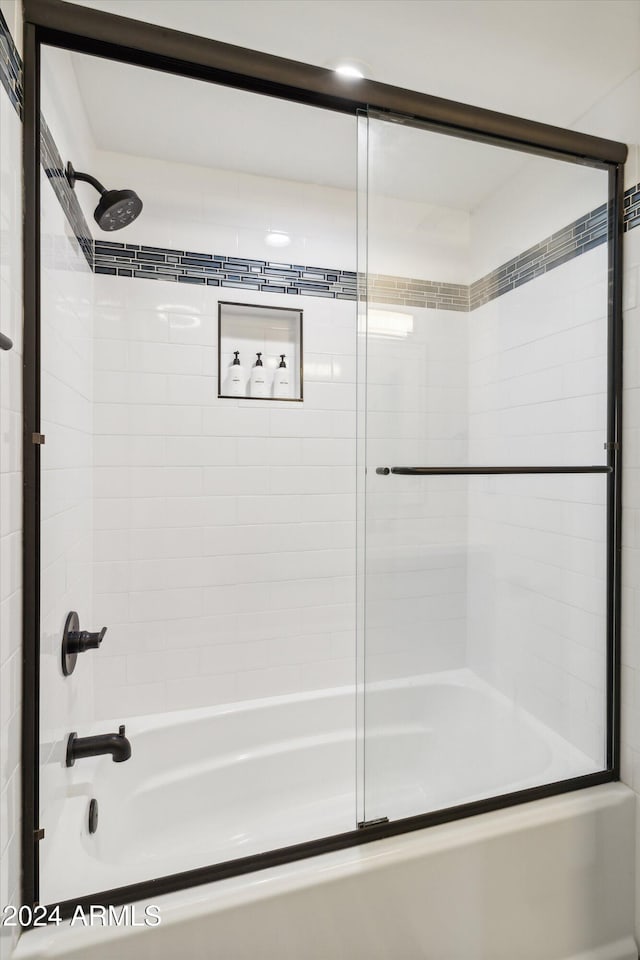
(80, 29)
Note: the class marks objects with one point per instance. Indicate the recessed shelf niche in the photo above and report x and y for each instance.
(250, 329)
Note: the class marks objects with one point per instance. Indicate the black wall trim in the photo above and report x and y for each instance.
(31, 472)
(614, 459)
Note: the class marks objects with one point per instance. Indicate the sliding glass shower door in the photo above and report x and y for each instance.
(485, 486)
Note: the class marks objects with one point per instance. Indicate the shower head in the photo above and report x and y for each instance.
(116, 209)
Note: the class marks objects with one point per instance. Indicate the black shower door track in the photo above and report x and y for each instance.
(94, 32)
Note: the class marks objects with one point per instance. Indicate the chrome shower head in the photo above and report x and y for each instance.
(116, 209)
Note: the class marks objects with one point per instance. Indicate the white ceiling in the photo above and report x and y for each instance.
(145, 113)
(550, 60)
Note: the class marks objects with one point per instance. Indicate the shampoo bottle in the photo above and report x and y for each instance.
(236, 381)
(281, 385)
(258, 379)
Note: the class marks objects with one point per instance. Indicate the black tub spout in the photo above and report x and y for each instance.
(114, 743)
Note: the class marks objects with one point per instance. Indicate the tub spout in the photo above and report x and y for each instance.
(114, 743)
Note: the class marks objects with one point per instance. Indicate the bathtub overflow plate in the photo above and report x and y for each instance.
(93, 816)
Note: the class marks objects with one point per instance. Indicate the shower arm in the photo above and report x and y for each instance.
(73, 176)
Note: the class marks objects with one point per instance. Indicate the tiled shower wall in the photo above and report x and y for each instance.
(66, 571)
(416, 528)
(537, 545)
(141, 368)
(10, 488)
(224, 529)
(66, 703)
(168, 449)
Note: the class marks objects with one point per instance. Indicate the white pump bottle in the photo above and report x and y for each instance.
(258, 379)
(281, 381)
(236, 380)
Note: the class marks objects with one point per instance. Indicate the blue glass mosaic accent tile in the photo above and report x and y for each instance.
(240, 273)
(632, 207)
(54, 168)
(584, 234)
(185, 266)
(10, 68)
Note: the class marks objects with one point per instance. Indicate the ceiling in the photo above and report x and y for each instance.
(550, 60)
(146, 113)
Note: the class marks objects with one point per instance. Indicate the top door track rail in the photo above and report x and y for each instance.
(121, 38)
(485, 471)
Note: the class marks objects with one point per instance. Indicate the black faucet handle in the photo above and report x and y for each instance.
(75, 641)
(81, 640)
(90, 641)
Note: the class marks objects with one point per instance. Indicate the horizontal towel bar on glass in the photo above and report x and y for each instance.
(486, 471)
(5, 343)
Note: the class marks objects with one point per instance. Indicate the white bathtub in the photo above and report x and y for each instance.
(551, 879)
(208, 785)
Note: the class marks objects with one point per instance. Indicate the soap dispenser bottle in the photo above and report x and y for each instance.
(236, 381)
(258, 379)
(281, 385)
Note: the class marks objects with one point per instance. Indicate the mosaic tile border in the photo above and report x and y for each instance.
(54, 169)
(576, 238)
(10, 67)
(158, 263)
(215, 270)
(407, 292)
(11, 79)
(632, 208)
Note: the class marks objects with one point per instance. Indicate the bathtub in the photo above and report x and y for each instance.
(209, 785)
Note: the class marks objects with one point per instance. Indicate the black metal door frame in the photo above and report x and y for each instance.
(90, 31)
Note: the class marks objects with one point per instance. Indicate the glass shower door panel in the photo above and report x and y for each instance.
(483, 328)
(487, 298)
(485, 646)
(211, 534)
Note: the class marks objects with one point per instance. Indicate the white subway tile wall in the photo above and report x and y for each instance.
(537, 563)
(225, 532)
(416, 528)
(229, 213)
(10, 496)
(66, 570)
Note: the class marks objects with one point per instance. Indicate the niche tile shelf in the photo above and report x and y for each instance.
(249, 329)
